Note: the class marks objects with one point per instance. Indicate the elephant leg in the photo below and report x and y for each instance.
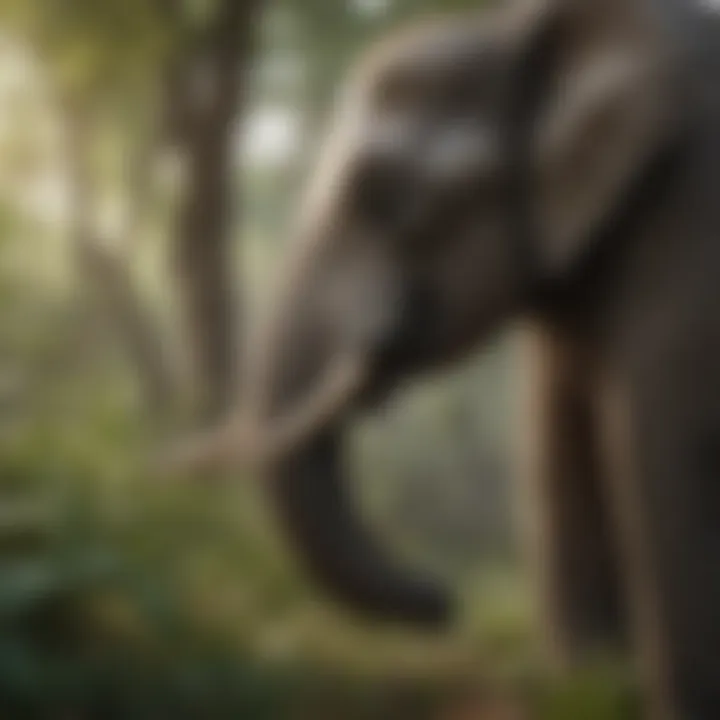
(664, 443)
(569, 543)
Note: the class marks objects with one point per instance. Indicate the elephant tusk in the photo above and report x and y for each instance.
(243, 442)
(343, 381)
(212, 450)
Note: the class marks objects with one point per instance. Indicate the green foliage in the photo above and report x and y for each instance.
(89, 44)
(601, 693)
(123, 611)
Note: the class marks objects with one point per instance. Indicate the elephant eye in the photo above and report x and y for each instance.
(461, 153)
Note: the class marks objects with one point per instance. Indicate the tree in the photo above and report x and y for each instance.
(153, 76)
(99, 61)
(206, 85)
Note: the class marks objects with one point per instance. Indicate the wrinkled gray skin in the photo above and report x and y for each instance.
(556, 161)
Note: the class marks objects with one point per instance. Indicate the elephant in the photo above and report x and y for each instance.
(554, 163)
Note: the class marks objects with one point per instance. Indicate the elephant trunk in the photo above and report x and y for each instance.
(317, 509)
(309, 483)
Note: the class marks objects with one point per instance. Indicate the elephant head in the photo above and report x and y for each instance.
(471, 162)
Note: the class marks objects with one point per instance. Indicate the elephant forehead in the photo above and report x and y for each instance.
(428, 49)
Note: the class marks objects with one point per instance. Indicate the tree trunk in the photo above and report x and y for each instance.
(206, 95)
(107, 276)
(108, 279)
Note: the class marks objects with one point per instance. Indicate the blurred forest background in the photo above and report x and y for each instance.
(150, 155)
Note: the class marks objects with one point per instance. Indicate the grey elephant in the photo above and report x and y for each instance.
(556, 161)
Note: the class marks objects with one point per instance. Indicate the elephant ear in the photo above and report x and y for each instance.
(606, 110)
